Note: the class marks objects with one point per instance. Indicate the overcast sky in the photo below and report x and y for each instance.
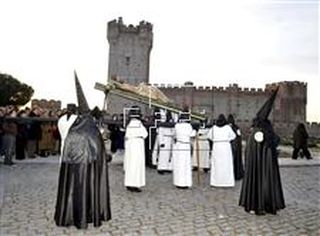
(208, 42)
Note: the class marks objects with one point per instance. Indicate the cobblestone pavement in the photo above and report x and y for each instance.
(28, 193)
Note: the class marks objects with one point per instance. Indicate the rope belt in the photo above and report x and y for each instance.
(136, 137)
(202, 139)
(178, 141)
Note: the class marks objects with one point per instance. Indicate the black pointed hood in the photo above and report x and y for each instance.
(265, 110)
(82, 102)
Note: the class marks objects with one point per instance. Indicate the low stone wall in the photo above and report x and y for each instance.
(284, 130)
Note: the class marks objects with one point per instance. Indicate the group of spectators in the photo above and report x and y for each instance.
(27, 132)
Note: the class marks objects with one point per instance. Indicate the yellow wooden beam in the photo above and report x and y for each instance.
(110, 89)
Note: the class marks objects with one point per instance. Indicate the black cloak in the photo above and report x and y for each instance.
(236, 146)
(300, 142)
(83, 191)
(300, 137)
(150, 140)
(261, 187)
(114, 130)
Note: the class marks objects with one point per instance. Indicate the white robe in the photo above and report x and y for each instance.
(165, 140)
(64, 125)
(134, 157)
(222, 174)
(181, 155)
(204, 149)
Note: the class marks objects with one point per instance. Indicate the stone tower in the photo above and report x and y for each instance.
(291, 102)
(129, 57)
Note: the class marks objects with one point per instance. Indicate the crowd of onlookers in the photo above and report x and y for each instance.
(35, 111)
(28, 132)
(31, 132)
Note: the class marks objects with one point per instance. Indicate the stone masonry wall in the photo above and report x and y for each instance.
(244, 103)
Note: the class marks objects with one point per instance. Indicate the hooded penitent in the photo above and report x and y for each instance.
(135, 112)
(265, 110)
(261, 187)
(82, 101)
(221, 121)
(83, 191)
(184, 116)
(261, 121)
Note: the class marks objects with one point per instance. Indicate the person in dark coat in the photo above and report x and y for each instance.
(83, 190)
(300, 142)
(114, 129)
(1, 135)
(236, 146)
(121, 133)
(151, 139)
(261, 190)
(9, 140)
(21, 140)
(34, 134)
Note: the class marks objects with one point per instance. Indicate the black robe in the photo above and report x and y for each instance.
(149, 145)
(236, 146)
(300, 138)
(300, 142)
(117, 133)
(261, 187)
(83, 191)
(113, 128)
(21, 141)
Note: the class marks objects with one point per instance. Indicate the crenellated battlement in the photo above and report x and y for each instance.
(116, 27)
(231, 88)
(286, 83)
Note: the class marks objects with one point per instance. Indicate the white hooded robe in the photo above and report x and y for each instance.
(181, 155)
(164, 148)
(134, 157)
(222, 174)
(204, 149)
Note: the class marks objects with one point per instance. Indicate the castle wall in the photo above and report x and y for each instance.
(289, 108)
(313, 129)
(242, 103)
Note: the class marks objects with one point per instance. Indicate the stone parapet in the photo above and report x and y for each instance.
(228, 89)
(141, 28)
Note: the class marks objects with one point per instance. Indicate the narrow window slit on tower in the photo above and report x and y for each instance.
(127, 61)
